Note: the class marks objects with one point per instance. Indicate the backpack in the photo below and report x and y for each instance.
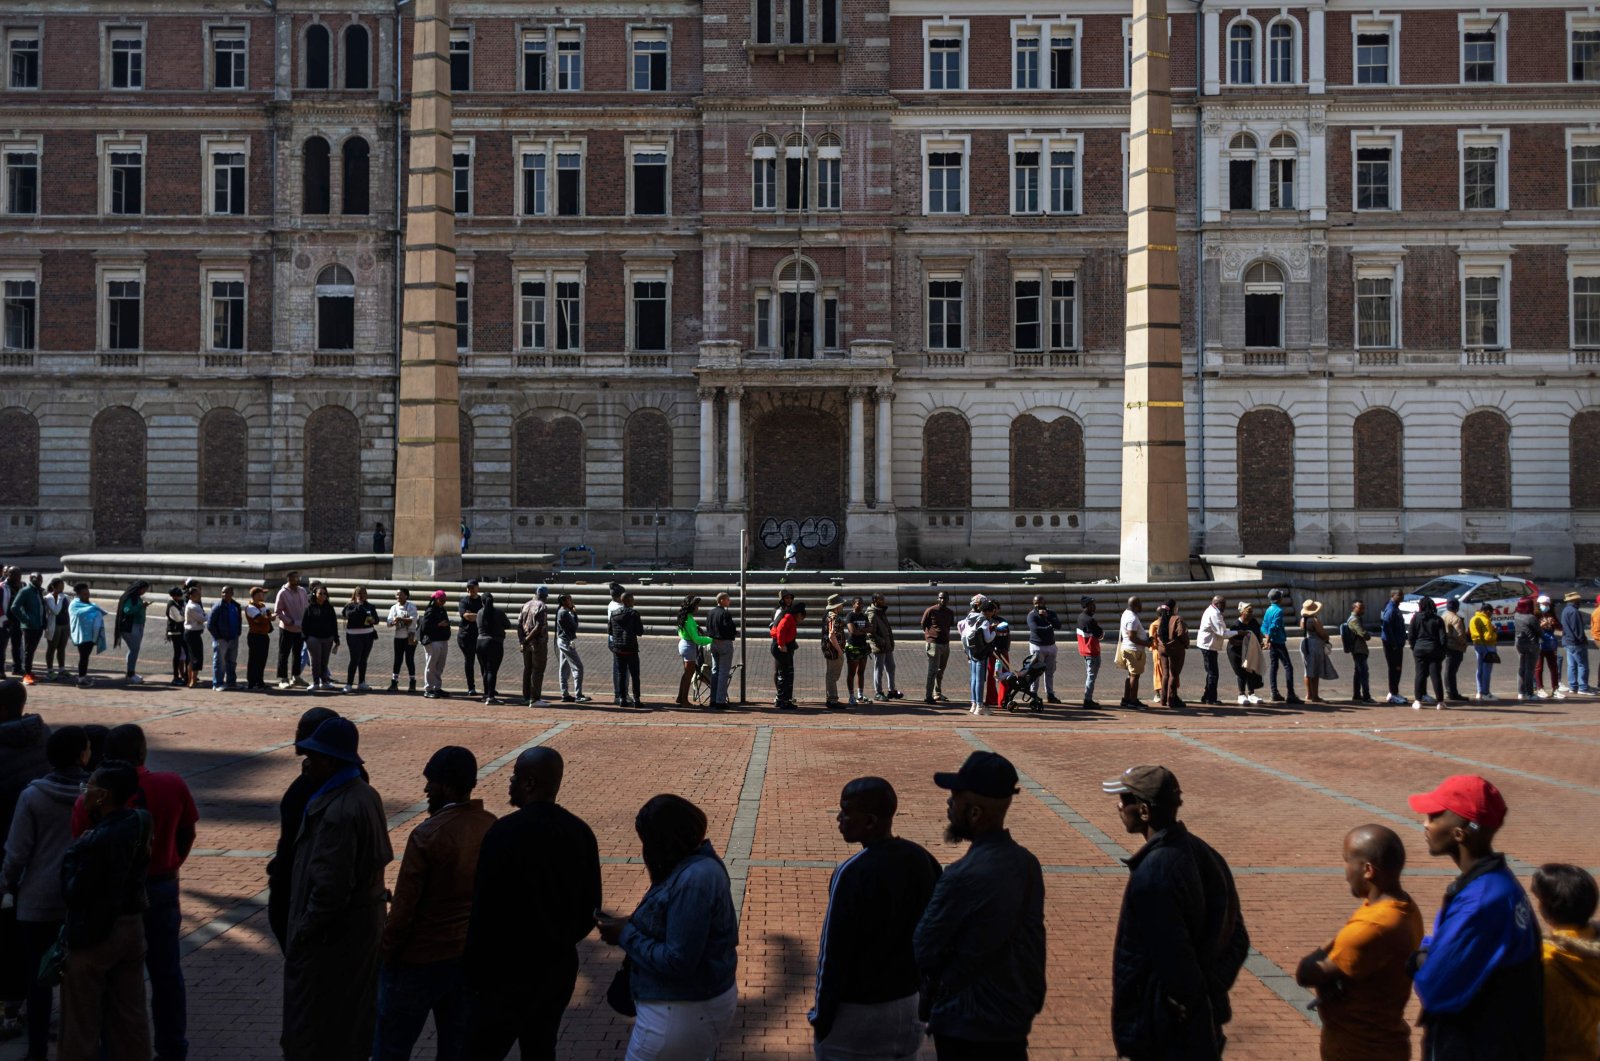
(1347, 639)
(973, 641)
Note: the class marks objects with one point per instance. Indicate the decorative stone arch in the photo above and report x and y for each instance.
(1265, 484)
(1296, 73)
(647, 443)
(1378, 437)
(1254, 26)
(946, 460)
(19, 456)
(1486, 461)
(1047, 461)
(547, 460)
(1583, 454)
(332, 480)
(797, 450)
(222, 476)
(117, 492)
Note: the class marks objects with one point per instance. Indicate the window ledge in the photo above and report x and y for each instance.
(785, 51)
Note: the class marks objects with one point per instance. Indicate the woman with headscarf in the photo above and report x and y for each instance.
(1427, 652)
(1525, 629)
(1244, 652)
(1169, 643)
(1313, 648)
(681, 941)
(690, 641)
(129, 625)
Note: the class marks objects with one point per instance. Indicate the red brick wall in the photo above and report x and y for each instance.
(797, 472)
(117, 478)
(1486, 461)
(333, 480)
(1046, 463)
(1266, 481)
(946, 461)
(1431, 299)
(1583, 456)
(224, 462)
(547, 462)
(19, 455)
(1379, 441)
(647, 460)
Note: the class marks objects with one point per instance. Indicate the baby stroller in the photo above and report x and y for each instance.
(1022, 685)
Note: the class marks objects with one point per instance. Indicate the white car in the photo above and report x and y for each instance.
(1474, 588)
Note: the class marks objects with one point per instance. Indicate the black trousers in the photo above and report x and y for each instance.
(469, 656)
(30, 638)
(14, 635)
(405, 651)
(1429, 668)
(949, 1049)
(1209, 658)
(360, 648)
(528, 1015)
(1395, 657)
(289, 645)
(85, 651)
(1452, 665)
(491, 650)
(255, 665)
(782, 673)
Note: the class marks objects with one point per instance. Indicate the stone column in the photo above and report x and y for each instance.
(735, 448)
(1155, 495)
(858, 457)
(427, 518)
(885, 443)
(708, 447)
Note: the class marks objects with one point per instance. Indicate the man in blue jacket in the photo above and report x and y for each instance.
(1274, 632)
(1479, 976)
(225, 623)
(1392, 632)
(1575, 640)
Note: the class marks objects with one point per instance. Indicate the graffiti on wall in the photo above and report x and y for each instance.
(811, 532)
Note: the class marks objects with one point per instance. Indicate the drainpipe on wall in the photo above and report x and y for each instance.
(1200, 267)
(399, 194)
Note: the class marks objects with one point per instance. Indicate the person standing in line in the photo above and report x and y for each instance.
(258, 639)
(937, 622)
(1181, 938)
(569, 666)
(226, 623)
(724, 627)
(1575, 641)
(535, 895)
(785, 599)
(1355, 636)
(882, 636)
(832, 641)
(291, 810)
(425, 933)
(492, 626)
(1275, 632)
(627, 627)
(289, 607)
(88, 630)
(1456, 641)
(467, 634)
(1245, 653)
(180, 650)
(1525, 632)
(618, 670)
(56, 629)
(690, 644)
(1427, 651)
(1360, 977)
(616, 591)
(681, 941)
(321, 626)
(360, 635)
(1392, 632)
(8, 594)
(434, 635)
(27, 613)
(404, 621)
(1485, 642)
(1090, 635)
(1169, 643)
(1479, 976)
(103, 881)
(1594, 627)
(980, 943)
(194, 626)
(1042, 627)
(785, 633)
(1211, 639)
(867, 985)
(533, 635)
(1313, 649)
(977, 639)
(857, 647)
(1566, 897)
(1549, 643)
(129, 626)
(1130, 657)
(380, 540)
(336, 905)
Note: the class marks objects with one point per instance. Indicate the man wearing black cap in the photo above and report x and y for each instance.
(467, 633)
(980, 943)
(1090, 633)
(291, 809)
(330, 969)
(427, 927)
(1181, 939)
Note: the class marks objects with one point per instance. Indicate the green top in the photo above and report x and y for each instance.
(690, 632)
(133, 610)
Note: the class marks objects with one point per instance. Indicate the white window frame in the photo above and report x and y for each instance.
(1255, 50)
(227, 31)
(652, 274)
(525, 276)
(541, 36)
(557, 74)
(830, 151)
(1027, 30)
(13, 34)
(762, 319)
(316, 308)
(944, 29)
(1578, 265)
(552, 150)
(796, 146)
(550, 276)
(28, 276)
(464, 276)
(1047, 306)
(1296, 154)
(468, 147)
(1020, 145)
(1500, 139)
(764, 152)
(523, 150)
(1376, 138)
(1030, 276)
(462, 36)
(930, 277)
(1589, 137)
(1479, 22)
(1254, 155)
(1127, 53)
(123, 31)
(1295, 75)
(651, 146)
(1378, 265)
(829, 296)
(1060, 28)
(649, 33)
(960, 144)
(1388, 24)
(108, 145)
(106, 276)
(210, 147)
(35, 147)
(1046, 145)
(1478, 264)
(1279, 287)
(1585, 21)
(208, 278)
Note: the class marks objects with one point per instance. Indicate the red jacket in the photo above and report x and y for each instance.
(786, 630)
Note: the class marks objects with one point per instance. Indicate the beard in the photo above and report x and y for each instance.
(436, 804)
(955, 834)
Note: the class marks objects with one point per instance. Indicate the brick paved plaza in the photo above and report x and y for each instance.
(1274, 789)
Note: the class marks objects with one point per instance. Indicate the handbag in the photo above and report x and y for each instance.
(1492, 656)
(619, 996)
(53, 966)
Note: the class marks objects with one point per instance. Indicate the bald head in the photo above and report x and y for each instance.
(1379, 845)
(873, 795)
(866, 810)
(537, 777)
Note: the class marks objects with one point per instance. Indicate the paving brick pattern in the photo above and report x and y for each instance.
(1273, 788)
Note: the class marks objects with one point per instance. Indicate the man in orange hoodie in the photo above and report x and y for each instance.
(1566, 897)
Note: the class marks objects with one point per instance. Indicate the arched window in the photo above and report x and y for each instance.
(1281, 52)
(357, 176)
(1242, 53)
(797, 309)
(468, 438)
(946, 461)
(830, 165)
(764, 173)
(356, 73)
(1265, 485)
(1583, 452)
(1379, 441)
(336, 309)
(796, 173)
(316, 184)
(647, 460)
(1263, 306)
(318, 54)
(1242, 172)
(1046, 463)
(332, 480)
(19, 456)
(547, 462)
(1486, 462)
(224, 460)
(117, 477)
(1284, 149)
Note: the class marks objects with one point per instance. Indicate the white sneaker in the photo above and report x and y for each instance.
(285, 685)
(1416, 705)
(1541, 694)
(1521, 697)
(1558, 695)
(541, 703)
(1254, 699)
(349, 688)
(134, 679)
(1245, 699)
(972, 709)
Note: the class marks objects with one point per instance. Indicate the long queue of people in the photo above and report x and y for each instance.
(482, 927)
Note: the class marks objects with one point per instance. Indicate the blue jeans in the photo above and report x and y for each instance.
(1091, 671)
(1577, 667)
(1280, 655)
(224, 663)
(721, 670)
(1485, 668)
(133, 637)
(406, 994)
(1363, 683)
(978, 667)
(169, 1000)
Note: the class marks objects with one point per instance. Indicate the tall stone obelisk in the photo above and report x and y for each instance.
(1155, 493)
(427, 496)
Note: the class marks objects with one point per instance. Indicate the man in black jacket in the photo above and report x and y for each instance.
(624, 628)
(1181, 938)
(537, 888)
(467, 633)
(981, 942)
(291, 808)
(867, 979)
(723, 627)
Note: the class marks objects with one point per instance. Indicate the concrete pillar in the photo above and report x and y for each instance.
(885, 479)
(735, 448)
(1316, 77)
(1155, 493)
(708, 447)
(858, 458)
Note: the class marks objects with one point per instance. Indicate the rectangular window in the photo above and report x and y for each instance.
(796, 179)
(649, 181)
(227, 59)
(534, 184)
(531, 315)
(1280, 53)
(798, 323)
(227, 182)
(461, 180)
(1585, 55)
(1585, 176)
(1026, 61)
(22, 181)
(1063, 314)
(649, 61)
(1241, 184)
(1480, 171)
(828, 11)
(1027, 330)
(1483, 311)
(764, 180)
(22, 58)
(1478, 57)
(569, 315)
(1585, 310)
(126, 192)
(944, 182)
(764, 21)
(127, 59)
(569, 61)
(463, 313)
(763, 320)
(830, 322)
(1374, 170)
(944, 314)
(1375, 312)
(122, 314)
(1063, 182)
(21, 331)
(1061, 61)
(1025, 182)
(460, 61)
(944, 63)
(650, 315)
(227, 314)
(569, 183)
(1241, 54)
(1280, 186)
(1372, 58)
(829, 185)
(535, 75)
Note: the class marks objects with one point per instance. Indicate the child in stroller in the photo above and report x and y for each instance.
(1022, 685)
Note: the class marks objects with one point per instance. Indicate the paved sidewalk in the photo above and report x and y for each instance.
(1272, 787)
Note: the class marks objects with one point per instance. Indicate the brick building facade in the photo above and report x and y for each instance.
(847, 267)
